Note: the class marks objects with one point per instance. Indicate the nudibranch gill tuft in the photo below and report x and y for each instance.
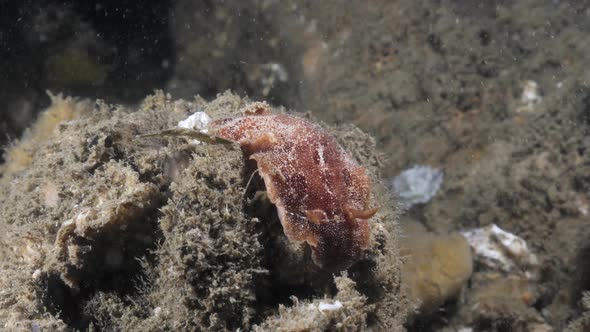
(321, 194)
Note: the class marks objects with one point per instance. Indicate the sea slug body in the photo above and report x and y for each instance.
(321, 194)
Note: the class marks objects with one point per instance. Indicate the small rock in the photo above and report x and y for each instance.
(437, 268)
(417, 184)
(499, 249)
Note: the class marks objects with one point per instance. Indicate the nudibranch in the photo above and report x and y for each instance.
(321, 194)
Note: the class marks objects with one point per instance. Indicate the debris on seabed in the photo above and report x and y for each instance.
(417, 184)
(530, 97)
(324, 306)
(498, 249)
(197, 121)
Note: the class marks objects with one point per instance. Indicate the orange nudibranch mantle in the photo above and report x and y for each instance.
(321, 194)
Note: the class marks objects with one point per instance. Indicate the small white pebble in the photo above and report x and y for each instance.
(157, 311)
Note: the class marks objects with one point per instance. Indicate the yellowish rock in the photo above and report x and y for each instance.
(436, 269)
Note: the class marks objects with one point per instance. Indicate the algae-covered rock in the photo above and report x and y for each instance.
(92, 242)
(498, 300)
(62, 109)
(583, 322)
(347, 311)
(109, 227)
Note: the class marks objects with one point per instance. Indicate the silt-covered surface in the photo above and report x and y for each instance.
(109, 229)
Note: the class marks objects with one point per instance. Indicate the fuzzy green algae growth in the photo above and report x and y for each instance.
(107, 228)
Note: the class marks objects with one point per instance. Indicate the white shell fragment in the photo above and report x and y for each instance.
(499, 249)
(197, 121)
(323, 306)
(530, 96)
(417, 184)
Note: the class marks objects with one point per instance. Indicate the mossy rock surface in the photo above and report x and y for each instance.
(109, 229)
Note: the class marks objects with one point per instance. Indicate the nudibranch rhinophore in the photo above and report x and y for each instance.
(321, 194)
